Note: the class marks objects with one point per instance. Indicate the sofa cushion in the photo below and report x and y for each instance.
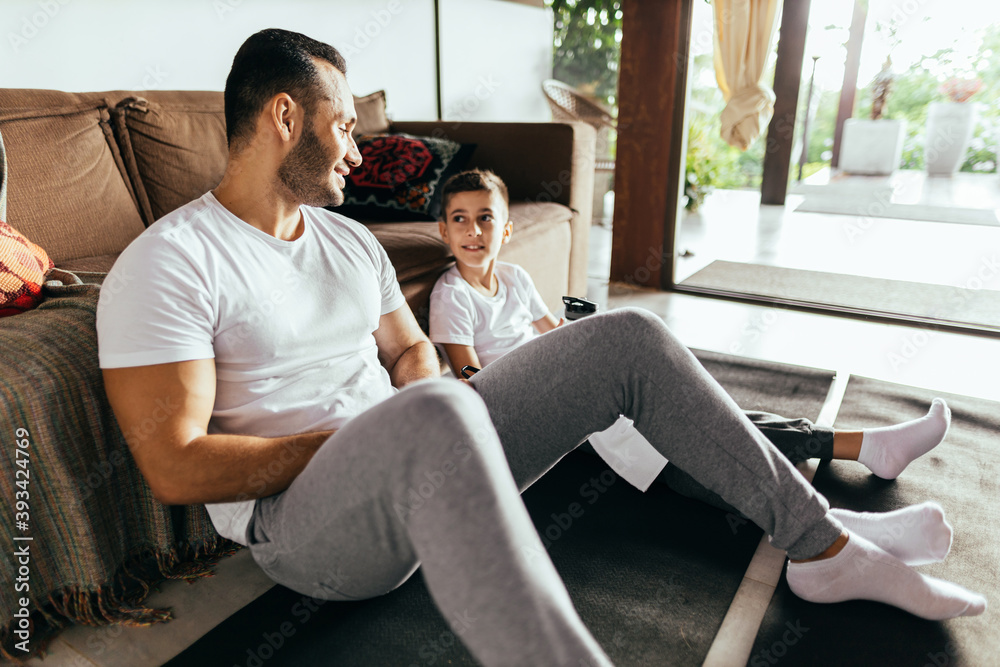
(529, 218)
(174, 152)
(401, 175)
(371, 114)
(414, 248)
(540, 244)
(95, 264)
(67, 187)
(23, 266)
(175, 148)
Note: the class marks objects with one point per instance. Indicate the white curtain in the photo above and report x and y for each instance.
(744, 30)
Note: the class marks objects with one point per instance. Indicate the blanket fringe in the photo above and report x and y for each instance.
(120, 601)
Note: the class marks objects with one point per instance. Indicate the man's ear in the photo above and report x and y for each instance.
(284, 116)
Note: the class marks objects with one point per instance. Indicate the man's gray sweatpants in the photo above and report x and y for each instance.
(432, 476)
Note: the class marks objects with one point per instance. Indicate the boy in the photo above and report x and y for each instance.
(482, 308)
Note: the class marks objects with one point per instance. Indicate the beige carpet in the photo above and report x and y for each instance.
(872, 207)
(964, 198)
(980, 308)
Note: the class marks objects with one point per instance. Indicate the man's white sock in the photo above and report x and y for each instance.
(916, 535)
(863, 571)
(889, 449)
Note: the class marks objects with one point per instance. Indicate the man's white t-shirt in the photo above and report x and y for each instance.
(493, 325)
(289, 323)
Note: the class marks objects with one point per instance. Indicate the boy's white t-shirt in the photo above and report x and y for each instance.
(493, 325)
(289, 323)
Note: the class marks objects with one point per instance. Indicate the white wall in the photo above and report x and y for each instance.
(495, 54)
(494, 57)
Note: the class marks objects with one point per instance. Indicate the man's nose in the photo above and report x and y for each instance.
(353, 156)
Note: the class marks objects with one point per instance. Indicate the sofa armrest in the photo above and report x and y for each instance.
(540, 162)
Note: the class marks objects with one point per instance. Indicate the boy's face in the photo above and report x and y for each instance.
(475, 226)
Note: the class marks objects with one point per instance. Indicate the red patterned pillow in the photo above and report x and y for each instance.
(23, 266)
(401, 175)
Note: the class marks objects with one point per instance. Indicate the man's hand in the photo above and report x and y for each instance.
(163, 411)
(404, 350)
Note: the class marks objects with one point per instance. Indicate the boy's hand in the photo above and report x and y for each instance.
(547, 323)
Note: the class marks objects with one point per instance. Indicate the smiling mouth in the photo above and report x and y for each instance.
(473, 247)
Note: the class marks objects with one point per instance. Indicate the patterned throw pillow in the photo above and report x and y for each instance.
(23, 266)
(400, 177)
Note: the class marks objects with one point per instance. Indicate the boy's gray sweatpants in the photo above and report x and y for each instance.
(798, 439)
(432, 476)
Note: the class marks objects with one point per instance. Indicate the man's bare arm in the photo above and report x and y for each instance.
(164, 409)
(404, 350)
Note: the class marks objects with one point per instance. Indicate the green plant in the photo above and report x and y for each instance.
(587, 48)
(712, 163)
(921, 84)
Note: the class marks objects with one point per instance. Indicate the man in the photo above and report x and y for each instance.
(277, 335)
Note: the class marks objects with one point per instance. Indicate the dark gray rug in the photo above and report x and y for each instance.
(963, 475)
(939, 303)
(652, 575)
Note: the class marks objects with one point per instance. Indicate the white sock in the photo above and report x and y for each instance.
(889, 449)
(863, 571)
(916, 535)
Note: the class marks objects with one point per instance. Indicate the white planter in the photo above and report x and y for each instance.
(949, 131)
(871, 146)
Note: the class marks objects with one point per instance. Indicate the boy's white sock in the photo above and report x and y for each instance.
(863, 571)
(889, 449)
(916, 535)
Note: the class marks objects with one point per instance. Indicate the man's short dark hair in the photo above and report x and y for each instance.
(473, 180)
(272, 61)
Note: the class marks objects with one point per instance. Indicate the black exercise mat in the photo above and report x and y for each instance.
(652, 575)
(962, 475)
(937, 303)
(791, 391)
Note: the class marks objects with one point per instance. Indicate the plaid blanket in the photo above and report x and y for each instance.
(99, 540)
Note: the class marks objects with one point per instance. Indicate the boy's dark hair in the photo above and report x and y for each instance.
(473, 180)
(272, 61)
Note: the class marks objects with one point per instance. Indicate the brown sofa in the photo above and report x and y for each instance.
(87, 172)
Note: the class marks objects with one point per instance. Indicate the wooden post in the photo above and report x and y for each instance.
(649, 165)
(850, 88)
(787, 77)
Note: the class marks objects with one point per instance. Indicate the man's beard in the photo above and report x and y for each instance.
(305, 171)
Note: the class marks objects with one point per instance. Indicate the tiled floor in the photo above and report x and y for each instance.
(947, 362)
(732, 225)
